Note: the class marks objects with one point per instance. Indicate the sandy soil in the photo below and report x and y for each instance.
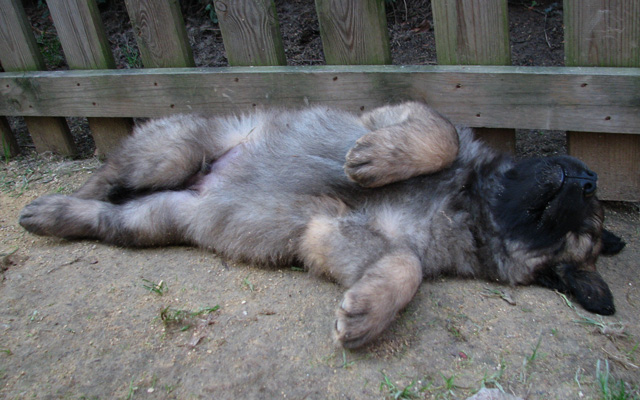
(79, 321)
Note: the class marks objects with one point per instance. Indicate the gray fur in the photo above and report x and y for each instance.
(375, 202)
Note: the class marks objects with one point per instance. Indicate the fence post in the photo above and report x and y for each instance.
(160, 33)
(250, 32)
(605, 33)
(475, 32)
(86, 46)
(354, 32)
(19, 52)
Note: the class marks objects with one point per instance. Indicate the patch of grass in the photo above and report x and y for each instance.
(345, 363)
(210, 8)
(449, 385)
(6, 150)
(501, 294)
(22, 172)
(609, 329)
(176, 317)
(394, 392)
(6, 351)
(530, 360)
(631, 353)
(132, 390)
(493, 380)
(132, 56)
(159, 288)
(247, 283)
(609, 387)
(566, 300)
(50, 48)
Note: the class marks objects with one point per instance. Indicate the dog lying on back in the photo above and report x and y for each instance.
(376, 202)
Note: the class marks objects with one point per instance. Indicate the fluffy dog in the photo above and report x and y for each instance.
(376, 202)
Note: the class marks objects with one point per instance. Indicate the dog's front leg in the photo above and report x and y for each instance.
(404, 141)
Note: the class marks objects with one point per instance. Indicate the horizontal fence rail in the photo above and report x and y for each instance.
(578, 99)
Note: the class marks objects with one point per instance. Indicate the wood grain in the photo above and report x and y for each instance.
(160, 33)
(471, 32)
(354, 32)
(605, 33)
(86, 46)
(475, 32)
(250, 32)
(561, 98)
(19, 52)
(81, 34)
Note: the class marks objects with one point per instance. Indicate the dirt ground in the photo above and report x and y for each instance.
(82, 320)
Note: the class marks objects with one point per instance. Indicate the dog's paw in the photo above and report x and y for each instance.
(367, 165)
(41, 216)
(60, 216)
(360, 319)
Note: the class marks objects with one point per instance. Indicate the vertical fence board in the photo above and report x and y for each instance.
(19, 52)
(8, 143)
(160, 33)
(354, 32)
(251, 32)
(86, 46)
(471, 32)
(605, 33)
(81, 34)
(475, 32)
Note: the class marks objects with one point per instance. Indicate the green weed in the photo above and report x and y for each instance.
(566, 300)
(175, 317)
(132, 390)
(248, 284)
(159, 288)
(345, 363)
(609, 329)
(6, 150)
(132, 56)
(210, 8)
(529, 360)
(50, 48)
(394, 392)
(610, 388)
(449, 385)
(494, 379)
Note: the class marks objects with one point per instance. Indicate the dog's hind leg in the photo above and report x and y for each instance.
(405, 140)
(165, 154)
(157, 219)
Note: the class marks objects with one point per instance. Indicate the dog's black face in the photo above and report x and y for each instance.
(549, 205)
(543, 199)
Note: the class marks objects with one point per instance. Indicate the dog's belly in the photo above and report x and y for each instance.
(216, 171)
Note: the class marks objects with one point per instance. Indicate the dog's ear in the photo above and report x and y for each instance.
(587, 287)
(590, 290)
(611, 243)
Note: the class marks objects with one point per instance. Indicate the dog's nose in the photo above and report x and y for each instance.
(589, 183)
(587, 180)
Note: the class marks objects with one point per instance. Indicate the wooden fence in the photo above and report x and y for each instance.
(595, 97)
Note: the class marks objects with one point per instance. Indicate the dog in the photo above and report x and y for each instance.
(376, 202)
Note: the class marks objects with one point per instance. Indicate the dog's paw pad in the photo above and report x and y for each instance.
(365, 165)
